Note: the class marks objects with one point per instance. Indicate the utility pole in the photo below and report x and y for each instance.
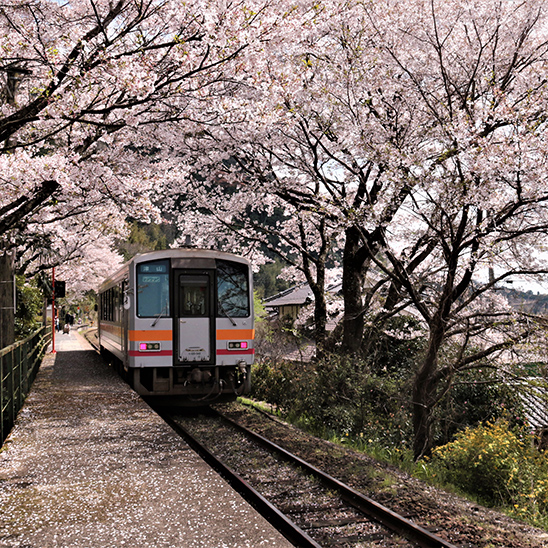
(53, 351)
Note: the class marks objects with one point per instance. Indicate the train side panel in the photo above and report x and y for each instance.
(112, 317)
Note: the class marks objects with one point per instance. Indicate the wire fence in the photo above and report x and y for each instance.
(19, 364)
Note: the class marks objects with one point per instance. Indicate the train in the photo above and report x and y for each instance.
(178, 325)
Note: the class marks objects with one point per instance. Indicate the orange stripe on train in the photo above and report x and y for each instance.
(160, 335)
(167, 335)
(233, 334)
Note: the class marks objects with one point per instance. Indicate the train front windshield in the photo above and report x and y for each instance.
(232, 290)
(153, 289)
(194, 295)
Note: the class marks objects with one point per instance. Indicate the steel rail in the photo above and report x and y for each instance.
(368, 506)
(292, 532)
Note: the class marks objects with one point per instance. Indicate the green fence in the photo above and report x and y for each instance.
(19, 364)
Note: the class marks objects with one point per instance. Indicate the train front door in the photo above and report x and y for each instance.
(195, 317)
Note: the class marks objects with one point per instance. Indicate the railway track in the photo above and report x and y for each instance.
(309, 507)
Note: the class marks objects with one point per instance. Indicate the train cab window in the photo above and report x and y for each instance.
(153, 289)
(193, 295)
(232, 290)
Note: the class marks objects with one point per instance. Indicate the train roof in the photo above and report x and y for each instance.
(178, 253)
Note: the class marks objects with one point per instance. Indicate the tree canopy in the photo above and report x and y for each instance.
(94, 91)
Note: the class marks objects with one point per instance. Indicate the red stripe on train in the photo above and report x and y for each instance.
(151, 353)
(237, 351)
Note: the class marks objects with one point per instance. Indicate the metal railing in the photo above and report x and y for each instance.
(19, 364)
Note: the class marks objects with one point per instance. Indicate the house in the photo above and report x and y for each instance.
(289, 303)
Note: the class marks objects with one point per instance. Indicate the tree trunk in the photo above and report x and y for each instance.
(352, 286)
(7, 300)
(425, 393)
(320, 314)
(316, 281)
(422, 420)
(320, 321)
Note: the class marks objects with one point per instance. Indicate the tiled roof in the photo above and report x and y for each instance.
(534, 397)
(299, 295)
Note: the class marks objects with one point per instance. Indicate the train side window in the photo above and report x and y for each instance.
(109, 305)
(232, 290)
(153, 289)
(117, 317)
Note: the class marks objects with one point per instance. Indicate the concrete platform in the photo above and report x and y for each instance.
(89, 464)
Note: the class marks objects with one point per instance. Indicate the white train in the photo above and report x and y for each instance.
(180, 324)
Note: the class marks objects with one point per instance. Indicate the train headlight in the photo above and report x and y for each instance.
(149, 347)
(238, 345)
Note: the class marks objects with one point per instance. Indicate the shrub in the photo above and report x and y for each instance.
(497, 464)
(274, 382)
(476, 396)
(336, 395)
(29, 307)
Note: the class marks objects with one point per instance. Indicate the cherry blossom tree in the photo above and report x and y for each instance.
(302, 133)
(418, 128)
(92, 90)
(477, 72)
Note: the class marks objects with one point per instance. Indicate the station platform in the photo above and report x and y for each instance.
(89, 464)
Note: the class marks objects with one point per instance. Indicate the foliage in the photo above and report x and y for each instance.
(273, 383)
(393, 347)
(338, 396)
(260, 313)
(145, 237)
(366, 402)
(267, 281)
(499, 465)
(475, 397)
(29, 307)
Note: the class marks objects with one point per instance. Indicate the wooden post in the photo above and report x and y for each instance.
(7, 300)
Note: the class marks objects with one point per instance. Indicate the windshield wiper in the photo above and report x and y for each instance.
(226, 314)
(158, 316)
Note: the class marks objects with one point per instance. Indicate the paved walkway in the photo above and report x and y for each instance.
(88, 464)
